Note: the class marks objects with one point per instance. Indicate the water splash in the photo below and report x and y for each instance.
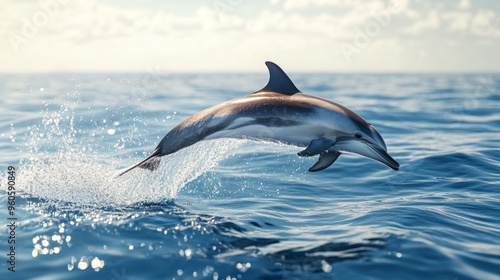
(73, 177)
(63, 164)
(175, 171)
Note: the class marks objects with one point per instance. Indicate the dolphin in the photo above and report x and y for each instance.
(279, 113)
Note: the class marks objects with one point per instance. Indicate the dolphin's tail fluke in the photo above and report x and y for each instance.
(151, 162)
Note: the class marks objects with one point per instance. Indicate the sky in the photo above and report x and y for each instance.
(240, 35)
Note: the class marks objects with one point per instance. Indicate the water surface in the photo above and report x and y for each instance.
(240, 209)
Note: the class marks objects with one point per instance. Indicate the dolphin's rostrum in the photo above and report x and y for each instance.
(279, 113)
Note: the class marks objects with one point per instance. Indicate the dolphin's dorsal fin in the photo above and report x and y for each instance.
(278, 81)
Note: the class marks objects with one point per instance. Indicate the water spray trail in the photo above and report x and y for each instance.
(63, 163)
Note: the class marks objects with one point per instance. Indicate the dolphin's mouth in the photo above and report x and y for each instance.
(366, 149)
(384, 158)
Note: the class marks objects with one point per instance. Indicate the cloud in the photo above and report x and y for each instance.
(305, 4)
(464, 4)
(457, 21)
(485, 23)
(431, 22)
(98, 36)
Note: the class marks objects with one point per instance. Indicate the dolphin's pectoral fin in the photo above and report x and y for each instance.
(325, 159)
(317, 146)
(278, 81)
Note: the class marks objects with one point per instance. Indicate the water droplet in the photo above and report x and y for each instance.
(97, 264)
(188, 253)
(116, 123)
(82, 264)
(111, 131)
(326, 267)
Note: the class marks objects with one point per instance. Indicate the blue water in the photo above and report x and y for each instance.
(235, 209)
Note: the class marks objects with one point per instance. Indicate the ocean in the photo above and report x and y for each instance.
(241, 209)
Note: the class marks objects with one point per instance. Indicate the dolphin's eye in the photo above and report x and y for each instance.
(357, 135)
